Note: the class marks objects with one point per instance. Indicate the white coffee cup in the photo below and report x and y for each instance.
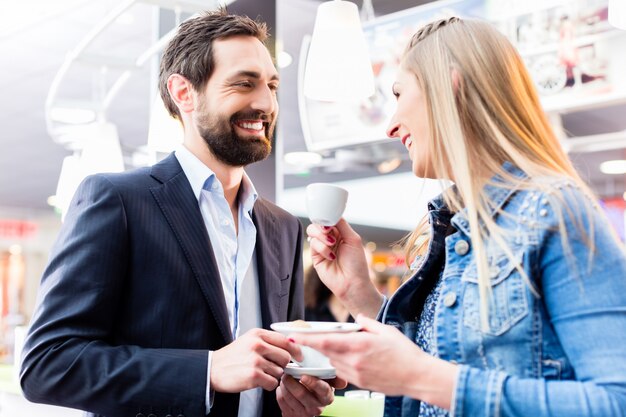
(312, 358)
(325, 203)
(361, 394)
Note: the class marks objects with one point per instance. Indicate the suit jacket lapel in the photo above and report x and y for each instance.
(180, 207)
(268, 262)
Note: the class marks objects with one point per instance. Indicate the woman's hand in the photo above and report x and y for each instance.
(339, 259)
(382, 359)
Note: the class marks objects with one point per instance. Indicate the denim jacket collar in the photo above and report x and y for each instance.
(496, 194)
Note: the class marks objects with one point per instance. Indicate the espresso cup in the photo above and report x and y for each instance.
(325, 203)
(312, 358)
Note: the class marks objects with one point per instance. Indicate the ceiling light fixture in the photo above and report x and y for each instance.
(72, 111)
(102, 151)
(69, 180)
(615, 167)
(164, 132)
(617, 13)
(284, 59)
(72, 116)
(80, 124)
(338, 66)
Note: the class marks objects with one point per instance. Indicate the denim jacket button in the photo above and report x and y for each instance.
(461, 247)
(449, 299)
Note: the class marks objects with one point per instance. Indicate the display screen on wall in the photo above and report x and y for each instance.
(565, 44)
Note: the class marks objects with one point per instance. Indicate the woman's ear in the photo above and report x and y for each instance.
(456, 80)
(181, 92)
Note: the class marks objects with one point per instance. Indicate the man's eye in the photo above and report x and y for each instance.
(245, 84)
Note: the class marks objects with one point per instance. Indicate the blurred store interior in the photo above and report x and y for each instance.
(63, 89)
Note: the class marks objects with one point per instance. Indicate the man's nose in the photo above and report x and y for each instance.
(265, 100)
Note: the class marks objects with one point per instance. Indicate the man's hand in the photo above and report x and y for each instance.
(256, 359)
(308, 397)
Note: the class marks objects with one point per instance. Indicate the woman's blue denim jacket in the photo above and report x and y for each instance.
(558, 351)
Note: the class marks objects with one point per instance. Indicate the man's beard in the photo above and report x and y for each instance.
(228, 146)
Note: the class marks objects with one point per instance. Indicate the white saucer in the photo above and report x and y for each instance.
(288, 327)
(297, 371)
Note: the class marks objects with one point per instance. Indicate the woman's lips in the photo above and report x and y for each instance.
(406, 141)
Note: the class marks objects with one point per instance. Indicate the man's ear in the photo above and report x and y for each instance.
(181, 92)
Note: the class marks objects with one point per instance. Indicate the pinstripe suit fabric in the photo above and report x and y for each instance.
(131, 299)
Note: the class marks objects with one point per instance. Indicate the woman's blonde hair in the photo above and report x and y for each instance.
(483, 110)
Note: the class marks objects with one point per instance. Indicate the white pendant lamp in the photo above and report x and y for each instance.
(338, 67)
(164, 132)
(617, 13)
(69, 179)
(101, 151)
(97, 150)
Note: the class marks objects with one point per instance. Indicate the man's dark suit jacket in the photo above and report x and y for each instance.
(131, 300)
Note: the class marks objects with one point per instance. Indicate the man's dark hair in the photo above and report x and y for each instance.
(190, 52)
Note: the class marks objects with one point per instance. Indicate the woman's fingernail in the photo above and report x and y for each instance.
(327, 227)
(332, 256)
(331, 239)
(291, 340)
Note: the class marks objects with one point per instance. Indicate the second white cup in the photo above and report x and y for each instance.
(325, 203)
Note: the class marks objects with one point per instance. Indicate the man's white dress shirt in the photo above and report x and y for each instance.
(235, 256)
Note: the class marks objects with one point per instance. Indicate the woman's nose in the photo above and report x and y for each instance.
(392, 130)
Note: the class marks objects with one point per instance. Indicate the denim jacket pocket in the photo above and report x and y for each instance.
(509, 303)
(551, 369)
